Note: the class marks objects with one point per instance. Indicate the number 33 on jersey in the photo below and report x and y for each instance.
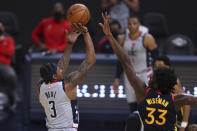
(157, 112)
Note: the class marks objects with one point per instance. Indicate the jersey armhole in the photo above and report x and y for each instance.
(147, 92)
(63, 86)
(143, 38)
(172, 96)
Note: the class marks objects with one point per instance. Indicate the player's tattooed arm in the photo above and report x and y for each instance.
(65, 59)
(74, 78)
(135, 81)
(78, 76)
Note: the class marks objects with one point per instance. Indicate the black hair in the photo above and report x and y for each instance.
(113, 22)
(135, 16)
(45, 71)
(165, 79)
(165, 59)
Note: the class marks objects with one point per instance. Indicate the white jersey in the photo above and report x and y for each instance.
(57, 106)
(141, 62)
(139, 55)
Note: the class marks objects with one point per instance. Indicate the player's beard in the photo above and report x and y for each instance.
(58, 16)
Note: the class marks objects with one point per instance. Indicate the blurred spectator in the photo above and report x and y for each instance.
(120, 10)
(104, 45)
(7, 74)
(7, 48)
(53, 30)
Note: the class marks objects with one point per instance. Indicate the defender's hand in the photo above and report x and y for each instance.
(105, 26)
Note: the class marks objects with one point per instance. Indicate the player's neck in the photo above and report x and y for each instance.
(135, 35)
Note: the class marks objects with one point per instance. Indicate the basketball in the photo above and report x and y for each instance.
(78, 13)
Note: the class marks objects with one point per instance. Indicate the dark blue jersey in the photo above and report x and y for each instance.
(179, 117)
(157, 111)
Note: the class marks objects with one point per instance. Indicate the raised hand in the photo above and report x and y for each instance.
(105, 26)
(78, 27)
(76, 30)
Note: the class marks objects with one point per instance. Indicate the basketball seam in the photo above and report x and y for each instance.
(82, 16)
(75, 12)
(88, 16)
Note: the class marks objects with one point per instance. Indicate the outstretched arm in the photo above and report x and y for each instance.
(65, 59)
(184, 99)
(74, 78)
(135, 81)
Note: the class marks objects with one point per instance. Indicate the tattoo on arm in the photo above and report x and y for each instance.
(65, 59)
(78, 76)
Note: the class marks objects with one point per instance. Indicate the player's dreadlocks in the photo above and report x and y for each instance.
(165, 80)
(47, 71)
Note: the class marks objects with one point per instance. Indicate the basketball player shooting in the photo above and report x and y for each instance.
(157, 106)
(56, 94)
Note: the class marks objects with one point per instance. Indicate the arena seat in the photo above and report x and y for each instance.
(11, 24)
(178, 44)
(158, 27)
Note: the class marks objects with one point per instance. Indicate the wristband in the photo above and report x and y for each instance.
(184, 124)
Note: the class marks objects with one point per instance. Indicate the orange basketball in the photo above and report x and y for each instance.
(78, 13)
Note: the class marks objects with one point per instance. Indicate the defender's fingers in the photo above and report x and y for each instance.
(101, 25)
(106, 14)
(103, 16)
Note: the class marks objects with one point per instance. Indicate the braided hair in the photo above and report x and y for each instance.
(47, 71)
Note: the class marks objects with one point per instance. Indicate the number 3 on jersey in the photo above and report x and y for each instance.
(162, 119)
(52, 105)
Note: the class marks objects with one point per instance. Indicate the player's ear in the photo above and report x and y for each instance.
(55, 77)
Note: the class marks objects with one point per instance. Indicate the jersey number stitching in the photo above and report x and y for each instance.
(152, 118)
(53, 108)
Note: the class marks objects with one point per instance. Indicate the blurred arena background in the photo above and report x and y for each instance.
(100, 109)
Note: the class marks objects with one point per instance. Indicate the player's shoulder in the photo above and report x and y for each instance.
(148, 36)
